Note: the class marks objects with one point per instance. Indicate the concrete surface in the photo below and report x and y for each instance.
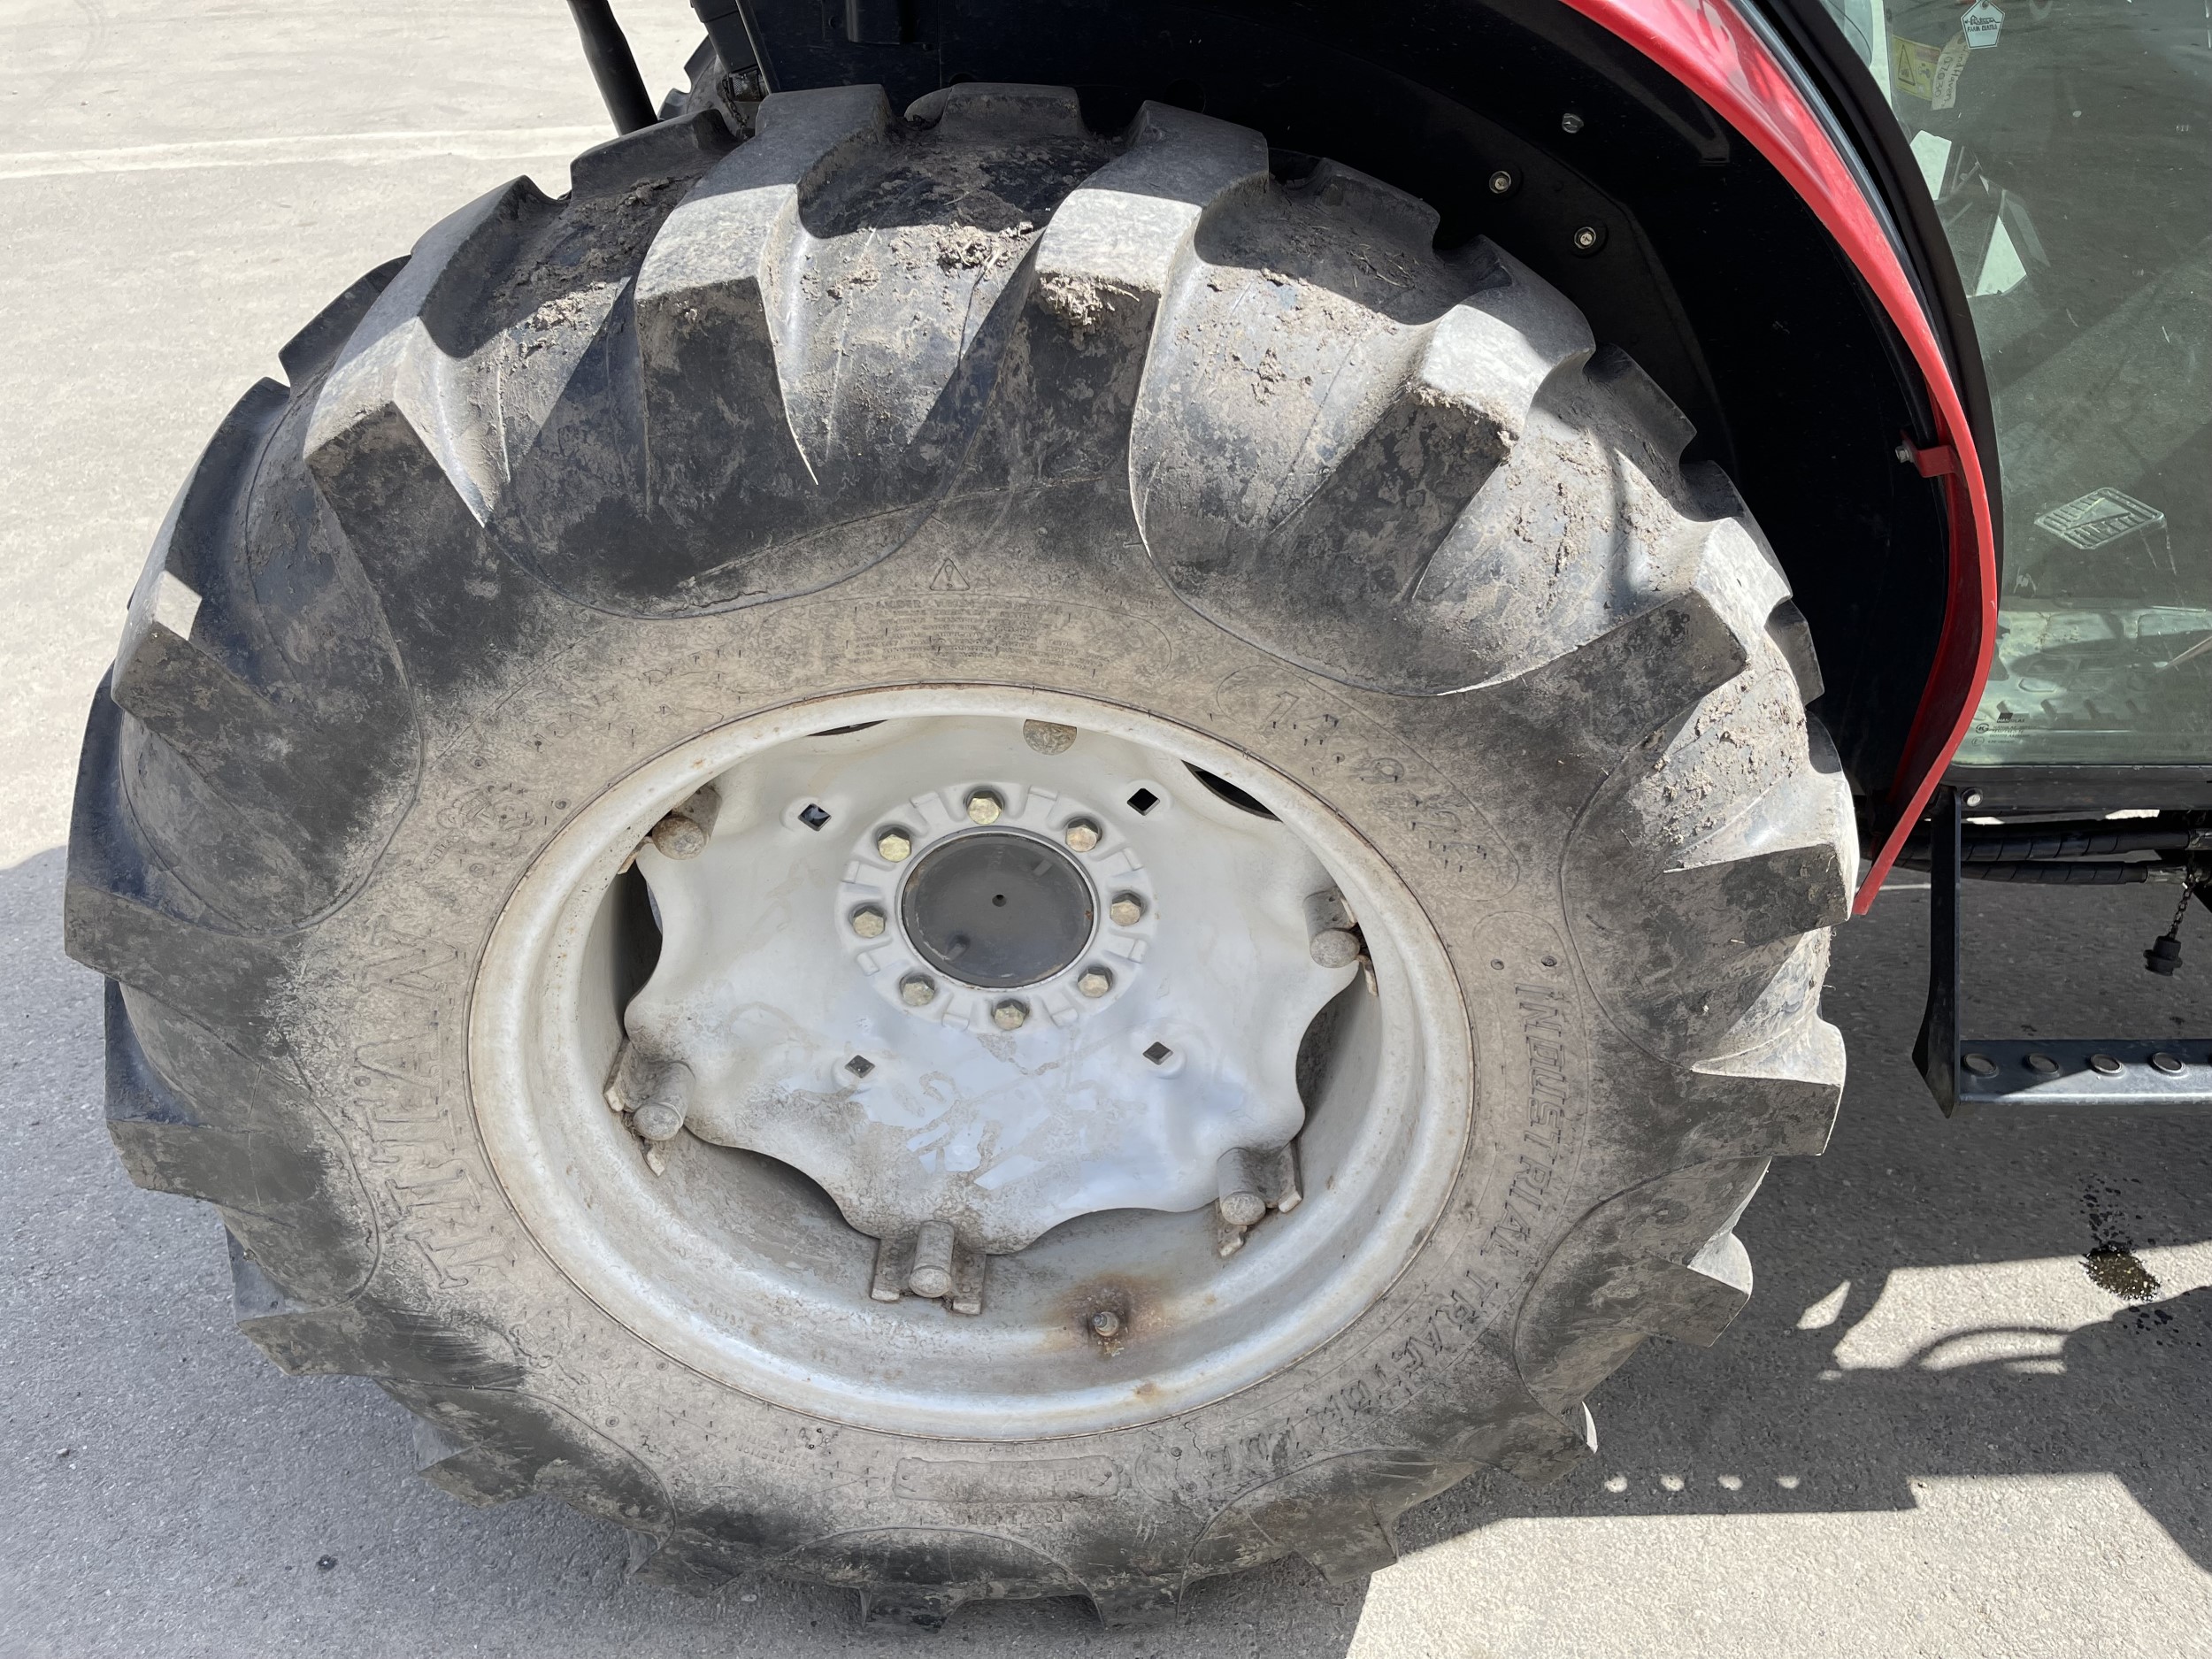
(1933, 1432)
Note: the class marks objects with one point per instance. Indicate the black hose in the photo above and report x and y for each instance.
(613, 66)
(2064, 842)
(1984, 845)
(2048, 874)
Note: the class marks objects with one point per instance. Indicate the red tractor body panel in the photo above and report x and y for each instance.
(1709, 46)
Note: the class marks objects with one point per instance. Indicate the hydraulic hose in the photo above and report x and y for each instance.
(613, 66)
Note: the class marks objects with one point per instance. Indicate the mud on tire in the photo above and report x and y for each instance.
(977, 396)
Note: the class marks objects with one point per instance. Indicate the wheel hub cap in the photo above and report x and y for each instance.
(998, 910)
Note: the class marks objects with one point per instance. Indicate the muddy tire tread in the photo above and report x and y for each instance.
(457, 392)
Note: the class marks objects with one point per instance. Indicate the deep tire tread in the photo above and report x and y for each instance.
(1659, 671)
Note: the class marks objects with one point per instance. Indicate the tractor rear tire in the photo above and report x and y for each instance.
(973, 396)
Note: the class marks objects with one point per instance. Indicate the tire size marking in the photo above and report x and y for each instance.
(398, 1098)
(1408, 789)
(1043, 1480)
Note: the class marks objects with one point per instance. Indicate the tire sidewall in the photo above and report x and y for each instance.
(1046, 588)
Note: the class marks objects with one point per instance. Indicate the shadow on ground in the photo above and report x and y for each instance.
(1901, 1190)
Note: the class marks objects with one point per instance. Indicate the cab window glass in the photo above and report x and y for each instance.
(2068, 144)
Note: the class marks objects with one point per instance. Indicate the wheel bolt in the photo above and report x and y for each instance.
(868, 922)
(1126, 910)
(1334, 948)
(677, 836)
(894, 845)
(1048, 737)
(1106, 1323)
(918, 990)
(1011, 1015)
(1094, 982)
(984, 807)
(931, 1275)
(660, 1116)
(1082, 835)
(1241, 1202)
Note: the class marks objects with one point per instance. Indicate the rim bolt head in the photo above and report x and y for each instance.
(918, 990)
(1011, 1015)
(1500, 182)
(868, 922)
(1081, 835)
(1048, 737)
(1094, 982)
(677, 836)
(984, 807)
(1106, 1323)
(1126, 910)
(895, 846)
(1334, 948)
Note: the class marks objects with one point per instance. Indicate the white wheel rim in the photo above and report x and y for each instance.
(735, 1263)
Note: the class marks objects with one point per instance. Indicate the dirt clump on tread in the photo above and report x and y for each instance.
(1079, 301)
(968, 248)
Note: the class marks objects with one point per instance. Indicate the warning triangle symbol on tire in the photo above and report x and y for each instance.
(948, 579)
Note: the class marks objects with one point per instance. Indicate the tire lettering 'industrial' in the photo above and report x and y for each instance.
(1544, 1011)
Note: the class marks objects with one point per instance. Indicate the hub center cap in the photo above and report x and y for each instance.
(998, 910)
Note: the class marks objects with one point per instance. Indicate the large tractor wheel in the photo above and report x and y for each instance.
(964, 857)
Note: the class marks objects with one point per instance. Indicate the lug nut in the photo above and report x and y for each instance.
(1501, 182)
(1081, 835)
(984, 807)
(918, 990)
(1094, 982)
(894, 845)
(1011, 1015)
(1048, 737)
(1106, 1323)
(1587, 238)
(1571, 122)
(1126, 910)
(868, 922)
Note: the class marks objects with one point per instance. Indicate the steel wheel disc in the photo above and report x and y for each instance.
(1063, 1112)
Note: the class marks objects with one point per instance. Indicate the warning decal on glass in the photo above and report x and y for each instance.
(1913, 66)
(2102, 516)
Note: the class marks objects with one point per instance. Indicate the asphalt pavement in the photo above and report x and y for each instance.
(1965, 1413)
